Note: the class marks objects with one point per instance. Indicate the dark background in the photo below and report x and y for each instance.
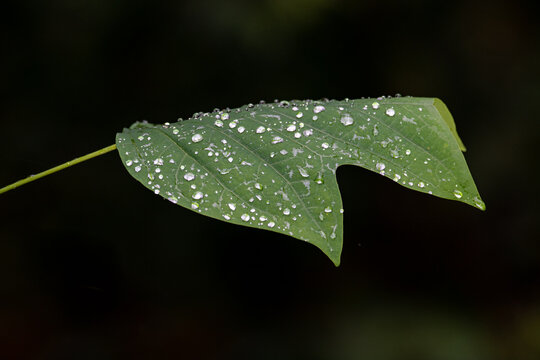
(93, 266)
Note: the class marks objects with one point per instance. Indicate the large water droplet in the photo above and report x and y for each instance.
(390, 112)
(260, 130)
(189, 176)
(317, 109)
(218, 123)
(196, 138)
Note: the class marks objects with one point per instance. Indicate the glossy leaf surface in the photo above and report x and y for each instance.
(272, 166)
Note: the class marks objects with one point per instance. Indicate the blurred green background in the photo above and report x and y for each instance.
(93, 266)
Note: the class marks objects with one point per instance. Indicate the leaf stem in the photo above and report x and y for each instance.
(58, 168)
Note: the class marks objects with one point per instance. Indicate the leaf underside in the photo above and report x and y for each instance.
(272, 166)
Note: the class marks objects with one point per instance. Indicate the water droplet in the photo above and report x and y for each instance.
(380, 166)
(129, 162)
(158, 161)
(283, 152)
(291, 127)
(232, 206)
(479, 203)
(189, 176)
(137, 168)
(258, 186)
(325, 145)
(421, 184)
(287, 211)
(407, 152)
(198, 195)
(260, 130)
(233, 123)
(245, 217)
(263, 218)
(194, 205)
(196, 138)
(175, 131)
(271, 224)
(317, 109)
(241, 129)
(141, 138)
(319, 181)
(328, 209)
(299, 115)
(341, 211)
(397, 177)
(315, 117)
(225, 116)
(390, 112)
(375, 105)
(458, 194)
(218, 123)
(276, 140)
(347, 120)
(308, 132)
(297, 135)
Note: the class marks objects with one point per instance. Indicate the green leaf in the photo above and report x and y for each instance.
(272, 166)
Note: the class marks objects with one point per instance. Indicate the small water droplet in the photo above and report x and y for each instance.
(291, 127)
(380, 166)
(218, 123)
(232, 206)
(407, 152)
(287, 211)
(198, 195)
(479, 203)
(158, 161)
(315, 117)
(175, 131)
(258, 186)
(299, 115)
(421, 184)
(225, 116)
(196, 138)
(390, 112)
(137, 168)
(241, 129)
(375, 105)
(129, 162)
(233, 123)
(328, 209)
(245, 217)
(319, 181)
(263, 218)
(276, 140)
(260, 130)
(458, 194)
(325, 145)
(347, 120)
(189, 176)
(194, 205)
(271, 224)
(317, 109)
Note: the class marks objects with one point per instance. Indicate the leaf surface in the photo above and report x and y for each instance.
(272, 166)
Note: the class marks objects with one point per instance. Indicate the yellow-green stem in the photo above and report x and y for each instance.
(57, 168)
